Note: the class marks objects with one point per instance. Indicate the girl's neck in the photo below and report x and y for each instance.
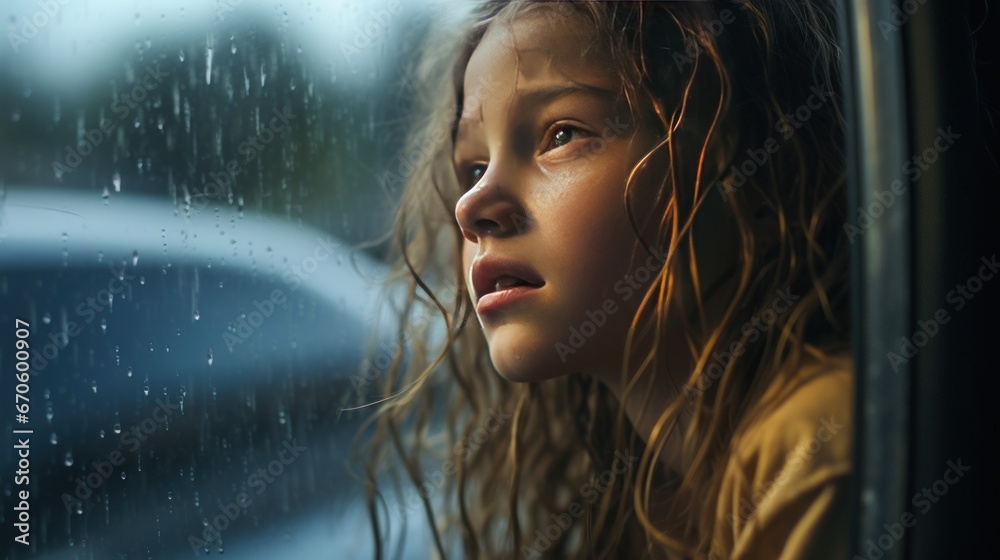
(651, 395)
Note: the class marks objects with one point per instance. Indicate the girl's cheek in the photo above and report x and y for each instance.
(468, 254)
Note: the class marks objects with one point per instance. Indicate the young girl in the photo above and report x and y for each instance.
(627, 219)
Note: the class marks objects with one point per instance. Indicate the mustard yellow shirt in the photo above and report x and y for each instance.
(785, 490)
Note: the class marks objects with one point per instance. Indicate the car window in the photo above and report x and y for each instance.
(185, 187)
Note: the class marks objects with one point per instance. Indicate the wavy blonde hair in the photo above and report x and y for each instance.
(722, 78)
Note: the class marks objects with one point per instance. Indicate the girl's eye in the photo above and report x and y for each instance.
(472, 174)
(563, 135)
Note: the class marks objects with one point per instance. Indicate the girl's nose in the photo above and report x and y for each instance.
(489, 208)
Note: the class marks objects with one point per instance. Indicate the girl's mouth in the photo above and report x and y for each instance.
(505, 294)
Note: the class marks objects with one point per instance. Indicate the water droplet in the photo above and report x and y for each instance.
(181, 56)
(68, 459)
(117, 428)
(135, 258)
(116, 180)
(54, 439)
(46, 318)
(79, 508)
(130, 371)
(208, 65)
(123, 475)
(93, 385)
(104, 326)
(105, 194)
(100, 256)
(197, 315)
(100, 434)
(210, 358)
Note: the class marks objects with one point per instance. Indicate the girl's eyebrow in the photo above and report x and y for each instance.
(540, 96)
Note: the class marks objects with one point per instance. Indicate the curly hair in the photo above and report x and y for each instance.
(728, 83)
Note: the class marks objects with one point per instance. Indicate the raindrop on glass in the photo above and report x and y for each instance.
(117, 428)
(208, 65)
(68, 459)
(210, 358)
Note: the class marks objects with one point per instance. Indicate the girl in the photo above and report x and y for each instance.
(628, 219)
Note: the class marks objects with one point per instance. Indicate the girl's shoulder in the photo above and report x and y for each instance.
(785, 488)
(817, 406)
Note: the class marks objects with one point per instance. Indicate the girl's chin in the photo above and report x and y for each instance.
(522, 357)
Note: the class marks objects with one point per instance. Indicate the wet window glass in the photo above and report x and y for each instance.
(185, 189)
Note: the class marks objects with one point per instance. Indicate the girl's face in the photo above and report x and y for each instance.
(544, 147)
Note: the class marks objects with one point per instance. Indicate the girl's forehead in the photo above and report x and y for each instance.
(538, 49)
